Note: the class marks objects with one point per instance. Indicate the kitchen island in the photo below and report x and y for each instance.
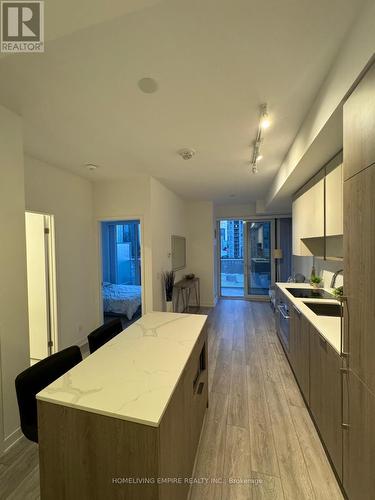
(126, 421)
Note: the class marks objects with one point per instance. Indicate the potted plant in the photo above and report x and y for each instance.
(316, 281)
(168, 279)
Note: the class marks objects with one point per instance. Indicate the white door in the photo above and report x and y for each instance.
(37, 286)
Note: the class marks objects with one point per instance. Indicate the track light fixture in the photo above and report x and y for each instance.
(264, 123)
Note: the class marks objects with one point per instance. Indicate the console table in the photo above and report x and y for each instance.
(183, 289)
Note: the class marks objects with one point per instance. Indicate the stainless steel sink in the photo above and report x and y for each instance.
(323, 309)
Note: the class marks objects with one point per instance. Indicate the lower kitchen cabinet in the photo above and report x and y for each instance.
(359, 440)
(299, 350)
(325, 395)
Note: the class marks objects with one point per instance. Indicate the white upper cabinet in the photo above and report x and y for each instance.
(308, 216)
(318, 214)
(334, 201)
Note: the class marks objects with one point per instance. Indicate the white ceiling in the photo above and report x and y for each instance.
(215, 61)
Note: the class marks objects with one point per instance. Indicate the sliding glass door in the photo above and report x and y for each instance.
(231, 258)
(246, 258)
(259, 267)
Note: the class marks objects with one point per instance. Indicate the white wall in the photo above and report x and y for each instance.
(200, 247)
(14, 338)
(69, 198)
(163, 213)
(234, 210)
(168, 217)
(128, 198)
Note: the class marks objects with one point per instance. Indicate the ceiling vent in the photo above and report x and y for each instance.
(186, 153)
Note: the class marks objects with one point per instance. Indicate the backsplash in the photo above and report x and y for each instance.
(323, 268)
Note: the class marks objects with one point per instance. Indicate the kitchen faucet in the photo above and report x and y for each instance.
(333, 281)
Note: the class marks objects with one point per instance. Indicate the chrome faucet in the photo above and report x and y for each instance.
(334, 277)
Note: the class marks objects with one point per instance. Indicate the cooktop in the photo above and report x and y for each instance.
(309, 293)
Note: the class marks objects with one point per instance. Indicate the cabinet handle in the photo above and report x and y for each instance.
(344, 341)
(343, 371)
(281, 310)
(200, 388)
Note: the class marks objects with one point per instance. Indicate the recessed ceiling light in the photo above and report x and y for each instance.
(148, 85)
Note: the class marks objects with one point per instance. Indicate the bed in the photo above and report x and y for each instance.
(121, 299)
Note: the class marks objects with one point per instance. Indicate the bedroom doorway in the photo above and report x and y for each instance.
(121, 285)
(41, 285)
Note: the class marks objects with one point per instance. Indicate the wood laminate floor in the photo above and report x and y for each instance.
(258, 440)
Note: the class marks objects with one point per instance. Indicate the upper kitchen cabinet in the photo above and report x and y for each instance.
(334, 187)
(359, 126)
(318, 213)
(334, 201)
(308, 218)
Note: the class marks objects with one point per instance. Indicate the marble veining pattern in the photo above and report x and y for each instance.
(133, 376)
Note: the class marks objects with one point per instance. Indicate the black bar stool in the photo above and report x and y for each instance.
(37, 377)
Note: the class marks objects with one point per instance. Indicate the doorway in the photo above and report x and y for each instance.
(231, 253)
(41, 285)
(121, 286)
(259, 264)
(246, 264)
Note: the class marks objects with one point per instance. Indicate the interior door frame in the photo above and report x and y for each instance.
(51, 281)
(247, 222)
(119, 218)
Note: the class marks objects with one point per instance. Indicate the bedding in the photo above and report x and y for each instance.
(121, 299)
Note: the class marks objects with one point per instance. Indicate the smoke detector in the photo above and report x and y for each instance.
(91, 167)
(186, 153)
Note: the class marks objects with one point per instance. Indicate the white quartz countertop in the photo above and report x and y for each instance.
(329, 327)
(133, 376)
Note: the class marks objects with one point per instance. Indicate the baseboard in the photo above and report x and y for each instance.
(12, 439)
(208, 304)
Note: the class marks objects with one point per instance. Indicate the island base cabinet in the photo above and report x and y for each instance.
(325, 395)
(88, 456)
(359, 440)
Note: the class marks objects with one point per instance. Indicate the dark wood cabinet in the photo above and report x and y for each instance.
(359, 126)
(325, 395)
(299, 350)
(359, 311)
(359, 258)
(359, 440)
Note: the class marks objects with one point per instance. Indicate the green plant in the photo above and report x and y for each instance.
(316, 280)
(168, 279)
(338, 292)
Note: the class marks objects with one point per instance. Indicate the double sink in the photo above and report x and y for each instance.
(320, 309)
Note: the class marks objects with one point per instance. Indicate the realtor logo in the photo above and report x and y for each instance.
(22, 26)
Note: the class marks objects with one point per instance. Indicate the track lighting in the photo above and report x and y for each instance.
(264, 123)
(265, 120)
